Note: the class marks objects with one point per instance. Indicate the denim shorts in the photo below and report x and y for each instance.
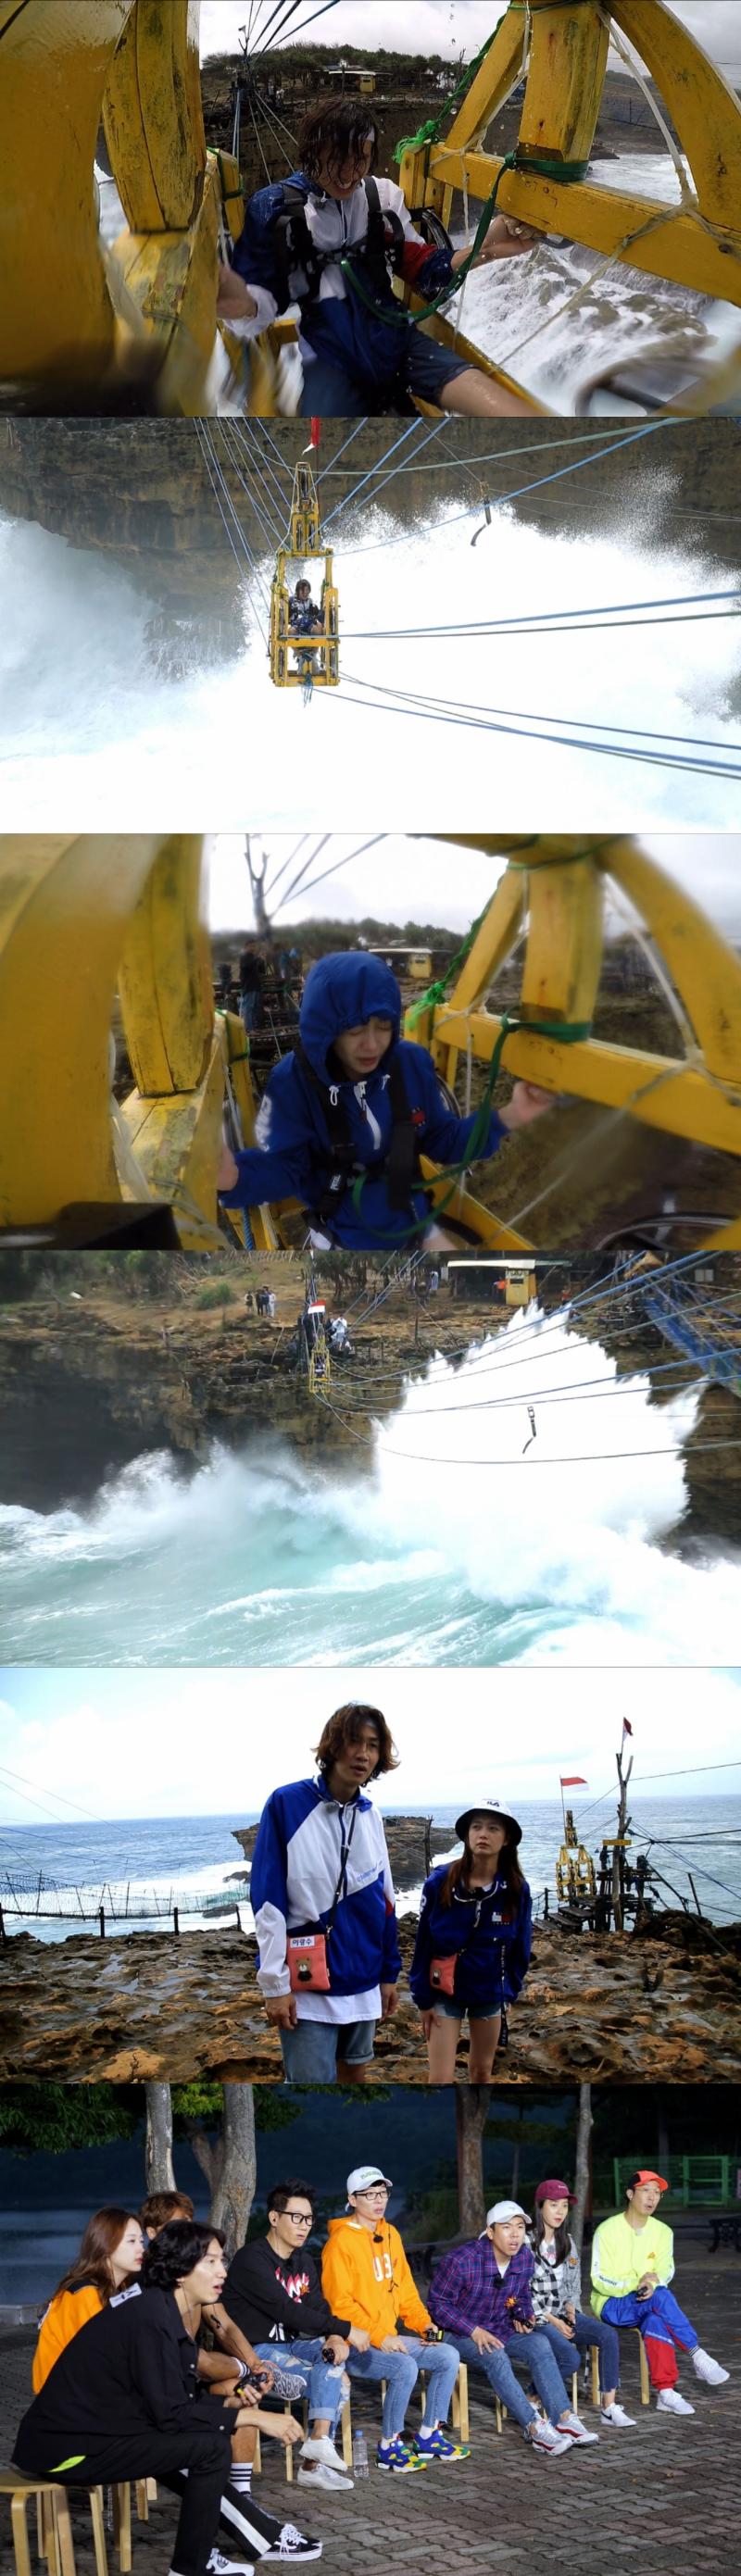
(451, 2011)
(312, 2051)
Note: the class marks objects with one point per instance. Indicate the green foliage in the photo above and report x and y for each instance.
(219, 1293)
(202, 2104)
(47, 2119)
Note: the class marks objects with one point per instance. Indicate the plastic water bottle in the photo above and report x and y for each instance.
(359, 2455)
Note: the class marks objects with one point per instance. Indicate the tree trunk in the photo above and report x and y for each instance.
(234, 2189)
(471, 2112)
(160, 2175)
(583, 2163)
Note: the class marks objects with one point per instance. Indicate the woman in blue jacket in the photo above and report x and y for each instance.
(347, 1113)
(473, 1943)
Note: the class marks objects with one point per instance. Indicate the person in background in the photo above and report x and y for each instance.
(364, 2266)
(110, 2257)
(632, 2266)
(274, 2293)
(556, 2294)
(482, 2295)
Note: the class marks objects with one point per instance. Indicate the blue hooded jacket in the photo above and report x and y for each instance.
(337, 327)
(497, 1954)
(293, 1157)
(308, 1842)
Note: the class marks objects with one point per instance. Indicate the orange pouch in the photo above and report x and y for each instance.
(306, 1953)
(442, 1975)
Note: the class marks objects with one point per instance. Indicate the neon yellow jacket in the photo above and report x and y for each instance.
(621, 2254)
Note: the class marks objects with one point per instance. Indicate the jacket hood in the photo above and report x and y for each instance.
(340, 993)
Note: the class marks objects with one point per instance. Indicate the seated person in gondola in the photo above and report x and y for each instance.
(347, 1112)
(328, 240)
(304, 618)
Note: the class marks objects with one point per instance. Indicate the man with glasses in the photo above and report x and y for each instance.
(365, 2269)
(274, 2294)
(323, 1901)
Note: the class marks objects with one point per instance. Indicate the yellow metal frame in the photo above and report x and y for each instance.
(553, 895)
(73, 322)
(565, 74)
(83, 920)
(304, 547)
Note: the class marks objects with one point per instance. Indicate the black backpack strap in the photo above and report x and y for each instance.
(401, 1165)
(293, 248)
(384, 240)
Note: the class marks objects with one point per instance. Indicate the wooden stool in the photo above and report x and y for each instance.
(54, 2529)
(644, 2369)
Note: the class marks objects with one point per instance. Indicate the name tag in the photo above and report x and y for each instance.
(122, 2295)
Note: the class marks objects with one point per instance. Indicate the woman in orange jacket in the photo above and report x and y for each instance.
(110, 2257)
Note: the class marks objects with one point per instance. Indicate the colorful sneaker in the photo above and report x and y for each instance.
(705, 2368)
(437, 2445)
(542, 2436)
(401, 2462)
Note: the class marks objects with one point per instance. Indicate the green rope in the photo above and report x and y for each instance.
(437, 992)
(568, 1032)
(545, 166)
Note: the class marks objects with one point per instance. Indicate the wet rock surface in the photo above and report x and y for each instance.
(660, 2007)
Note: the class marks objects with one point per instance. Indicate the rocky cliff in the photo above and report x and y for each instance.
(662, 2008)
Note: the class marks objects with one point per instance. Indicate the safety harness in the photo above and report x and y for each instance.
(399, 1163)
(300, 264)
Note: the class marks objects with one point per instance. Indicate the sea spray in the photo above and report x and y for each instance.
(433, 1541)
(91, 734)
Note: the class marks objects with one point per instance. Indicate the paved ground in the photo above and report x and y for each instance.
(667, 2494)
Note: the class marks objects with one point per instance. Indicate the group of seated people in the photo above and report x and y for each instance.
(126, 2388)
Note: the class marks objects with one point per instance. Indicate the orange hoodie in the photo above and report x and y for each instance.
(367, 2278)
(69, 2310)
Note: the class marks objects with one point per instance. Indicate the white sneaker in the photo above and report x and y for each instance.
(669, 2402)
(571, 2423)
(705, 2368)
(615, 2415)
(317, 2474)
(544, 2437)
(218, 2565)
(319, 2446)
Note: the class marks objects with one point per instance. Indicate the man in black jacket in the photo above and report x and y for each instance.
(124, 2401)
(274, 2294)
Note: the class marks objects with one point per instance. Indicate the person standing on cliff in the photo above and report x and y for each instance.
(323, 1901)
(473, 1944)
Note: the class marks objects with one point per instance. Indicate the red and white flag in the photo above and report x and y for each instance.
(627, 1728)
(314, 439)
(572, 1780)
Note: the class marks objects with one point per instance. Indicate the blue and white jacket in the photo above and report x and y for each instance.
(334, 323)
(293, 1155)
(295, 1868)
(496, 1953)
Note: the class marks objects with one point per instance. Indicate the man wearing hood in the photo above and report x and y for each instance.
(323, 1901)
(348, 1112)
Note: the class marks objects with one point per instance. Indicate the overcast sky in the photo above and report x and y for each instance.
(402, 879)
(116, 1744)
(440, 26)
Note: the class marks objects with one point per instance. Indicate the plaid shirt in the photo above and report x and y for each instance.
(556, 2285)
(469, 2290)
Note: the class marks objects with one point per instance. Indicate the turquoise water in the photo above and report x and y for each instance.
(440, 1542)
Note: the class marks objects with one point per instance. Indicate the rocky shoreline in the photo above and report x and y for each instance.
(659, 2007)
